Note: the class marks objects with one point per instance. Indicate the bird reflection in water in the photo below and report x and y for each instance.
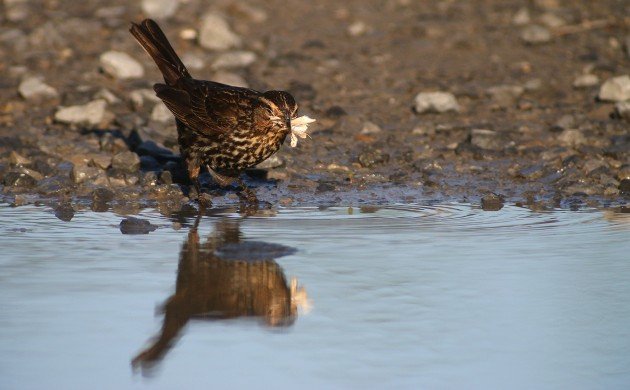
(225, 278)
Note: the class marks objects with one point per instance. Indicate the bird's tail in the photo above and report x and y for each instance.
(154, 42)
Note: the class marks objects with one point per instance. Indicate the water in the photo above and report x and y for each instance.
(443, 296)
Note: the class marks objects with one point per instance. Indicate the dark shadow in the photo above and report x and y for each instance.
(224, 278)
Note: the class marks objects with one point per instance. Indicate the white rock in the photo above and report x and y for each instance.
(370, 128)
(552, 20)
(535, 34)
(585, 81)
(521, 17)
(215, 34)
(161, 113)
(35, 88)
(235, 59)
(230, 79)
(92, 113)
(357, 28)
(121, 65)
(139, 96)
(188, 34)
(435, 102)
(193, 61)
(616, 89)
(159, 9)
(572, 137)
(622, 109)
(108, 95)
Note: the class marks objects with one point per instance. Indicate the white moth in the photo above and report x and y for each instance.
(298, 128)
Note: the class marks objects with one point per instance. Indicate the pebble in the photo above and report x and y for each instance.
(230, 78)
(102, 195)
(371, 157)
(215, 34)
(126, 162)
(616, 89)
(505, 95)
(64, 212)
(622, 110)
(91, 113)
(159, 9)
(521, 17)
(535, 34)
(272, 162)
(33, 87)
(371, 128)
(585, 81)
(572, 137)
(193, 61)
(82, 173)
(18, 179)
(139, 96)
(357, 29)
(132, 225)
(551, 20)
(109, 96)
(101, 160)
(488, 139)
(234, 59)
(121, 65)
(17, 159)
(436, 102)
(492, 202)
(161, 113)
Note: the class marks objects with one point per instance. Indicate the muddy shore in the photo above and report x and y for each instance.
(533, 105)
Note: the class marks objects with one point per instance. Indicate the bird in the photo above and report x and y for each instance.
(224, 128)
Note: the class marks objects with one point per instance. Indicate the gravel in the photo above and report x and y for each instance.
(436, 102)
(616, 89)
(235, 59)
(121, 65)
(33, 88)
(161, 113)
(216, 34)
(91, 113)
(159, 9)
(586, 81)
(535, 34)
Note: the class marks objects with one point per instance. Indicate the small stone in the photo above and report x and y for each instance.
(435, 102)
(139, 96)
(616, 89)
(489, 139)
(121, 65)
(18, 179)
(32, 88)
(371, 157)
(592, 165)
(159, 9)
(215, 34)
(64, 212)
(133, 225)
(505, 95)
(230, 79)
(101, 160)
(91, 113)
(17, 159)
(102, 195)
(585, 81)
(272, 162)
(371, 128)
(161, 113)
(82, 173)
(622, 110)
(533, 85)
(566, 122)
(166, 177)
(106, 94)
(551, 20)
(357, 28)
(492, 202)
(188, 34)
(126, 162)
(234, 59)
(572, 137)
(535, 34)
(521, 17)
(193, 61)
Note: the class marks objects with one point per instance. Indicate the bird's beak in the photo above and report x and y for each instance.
(288, 121)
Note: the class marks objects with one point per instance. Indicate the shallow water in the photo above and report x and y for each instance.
(437, 296)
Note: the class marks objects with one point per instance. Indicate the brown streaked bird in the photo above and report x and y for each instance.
(227, 129)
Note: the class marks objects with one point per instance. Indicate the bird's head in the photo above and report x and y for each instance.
(283, 107)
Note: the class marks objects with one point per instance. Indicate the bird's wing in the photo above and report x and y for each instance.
(207, 107)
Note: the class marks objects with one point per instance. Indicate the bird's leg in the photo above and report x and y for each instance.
(222, 180)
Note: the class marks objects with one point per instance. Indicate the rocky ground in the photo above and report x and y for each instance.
(454, 100)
